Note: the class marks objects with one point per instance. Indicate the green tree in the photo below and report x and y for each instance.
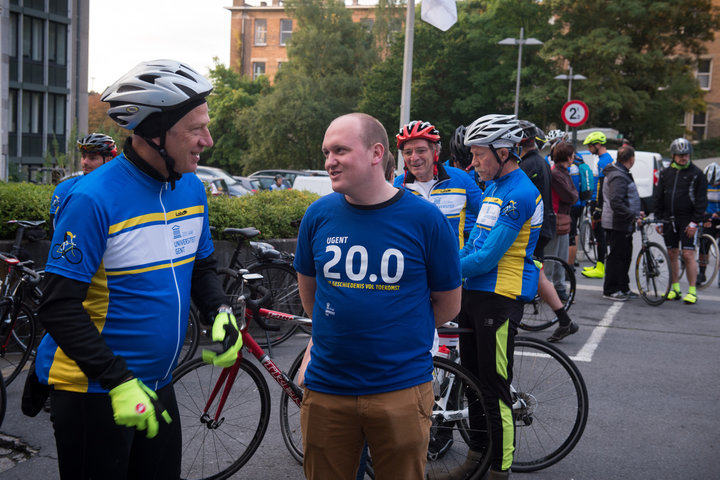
(638, 57)
(232, 93)
(327, 57)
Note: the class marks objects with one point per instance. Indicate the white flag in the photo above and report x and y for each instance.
(440, 14)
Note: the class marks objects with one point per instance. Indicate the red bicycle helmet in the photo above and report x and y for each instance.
(417, 129)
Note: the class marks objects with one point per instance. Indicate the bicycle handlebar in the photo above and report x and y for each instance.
(29, 275)
(254, 305)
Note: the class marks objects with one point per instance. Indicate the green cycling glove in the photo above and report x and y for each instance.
(224, 330)
(135, 405)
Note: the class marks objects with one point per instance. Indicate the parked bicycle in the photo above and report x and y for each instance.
(588, 243)
(17, 319)
(652, 268)
(539, 315)
(706, 257)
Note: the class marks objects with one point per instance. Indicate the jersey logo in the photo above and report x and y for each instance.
(510, 210)
(68, 249)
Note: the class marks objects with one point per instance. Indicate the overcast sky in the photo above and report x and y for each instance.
(122, 34)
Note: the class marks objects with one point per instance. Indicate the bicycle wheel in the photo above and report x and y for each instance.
(192, 336)
(217, 449)
(550, 404)
(707, 257)
(18, 341)
(290, 416)
(587, 241)
(652, 274)
(281, 280)
(538, 315)
(457, 399)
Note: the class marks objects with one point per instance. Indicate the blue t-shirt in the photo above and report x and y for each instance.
(603, 161)
(134, 241)
(373, 323)
(61, 191)
(514, 202)
(713, 196)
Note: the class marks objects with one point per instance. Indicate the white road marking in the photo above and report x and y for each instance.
(588, 350)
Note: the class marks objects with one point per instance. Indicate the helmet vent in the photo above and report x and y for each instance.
(128, 88)
(148, 78)
(186, 75)
(188, 91)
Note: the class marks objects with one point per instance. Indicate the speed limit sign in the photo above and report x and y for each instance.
(575, 113)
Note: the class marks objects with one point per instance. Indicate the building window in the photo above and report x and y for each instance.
(699, 125)
(285, 31)
(367, 23)
(12, 107)
(31, 112)
(32, 38)
(258, 69)
(58, 43)
(14, 34)
(260, 31)
(59, 7)
(703, 72)
(56, 115)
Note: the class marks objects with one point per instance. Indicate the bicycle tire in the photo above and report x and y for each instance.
(551, 421)
(707, 242)
(281, 280)
(537, 314)
(192, 336)
(216, 453)
(652, 274)
(18, 343)
(3, 399)
(587, 241)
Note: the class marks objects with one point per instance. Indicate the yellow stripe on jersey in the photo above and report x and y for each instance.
(64, 373)
(449, 190)
(511, 265)
(154, 267)
(155, 217)
(499, 201)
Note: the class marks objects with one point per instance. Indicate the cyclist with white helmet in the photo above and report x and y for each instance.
(449, 188)
(712, 213)
(499, 249)
(680, 202)
(116, 311)
(95, 149)
(596, 144)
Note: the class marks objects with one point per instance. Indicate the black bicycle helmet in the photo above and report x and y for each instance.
(459, 152)
(98, 143)
(152, 97)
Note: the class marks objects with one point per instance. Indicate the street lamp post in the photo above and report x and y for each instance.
(570, 77)
(519, 42)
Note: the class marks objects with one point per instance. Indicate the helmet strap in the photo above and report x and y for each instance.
(173, 176)
(500, 162)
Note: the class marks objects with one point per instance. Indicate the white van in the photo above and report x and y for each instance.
(645, 171)
(316, 184)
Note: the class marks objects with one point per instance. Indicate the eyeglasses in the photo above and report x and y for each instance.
(408, 152)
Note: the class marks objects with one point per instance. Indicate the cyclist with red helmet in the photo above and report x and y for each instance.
(449, 188)
(95, 149)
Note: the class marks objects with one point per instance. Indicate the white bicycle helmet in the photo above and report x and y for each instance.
(499, 131)
(680, 146)
(712, 173)
(153, 86)
(555, 135)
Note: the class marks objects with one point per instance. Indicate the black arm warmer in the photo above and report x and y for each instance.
(206, 288)
(63, 316)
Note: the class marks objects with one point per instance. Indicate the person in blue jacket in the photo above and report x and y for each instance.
(596, 144)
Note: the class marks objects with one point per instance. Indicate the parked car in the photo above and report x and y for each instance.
(645, 172)
(232, 186)
(265, 181)
(289, 175)
(316, 184)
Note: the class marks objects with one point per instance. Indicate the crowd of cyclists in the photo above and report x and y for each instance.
(508, 206)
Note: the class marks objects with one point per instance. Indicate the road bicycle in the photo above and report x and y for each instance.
(588, 243)
(652, 268)
(279, 277)
(538, 315)
(706, 255)
(224, 412)
(17, 319)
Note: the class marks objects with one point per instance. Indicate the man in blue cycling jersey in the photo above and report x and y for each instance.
(378, 268)
(95, 149)
(712, 215)
(499, 276)
(116, 308)
(449, 188)
(596, 144)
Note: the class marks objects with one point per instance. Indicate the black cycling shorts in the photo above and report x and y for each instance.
(576, 212)
(674, 235)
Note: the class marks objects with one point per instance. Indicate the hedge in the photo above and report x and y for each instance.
(270, 212)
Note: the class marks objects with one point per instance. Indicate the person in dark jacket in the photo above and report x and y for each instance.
(680, 202)
(620, 211)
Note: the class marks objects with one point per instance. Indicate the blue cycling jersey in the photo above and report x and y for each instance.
(61, 191)
(511, 203)
(713, 196)
(134, 241)
(603, 161)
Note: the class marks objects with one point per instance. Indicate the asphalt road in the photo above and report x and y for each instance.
(651, 374)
